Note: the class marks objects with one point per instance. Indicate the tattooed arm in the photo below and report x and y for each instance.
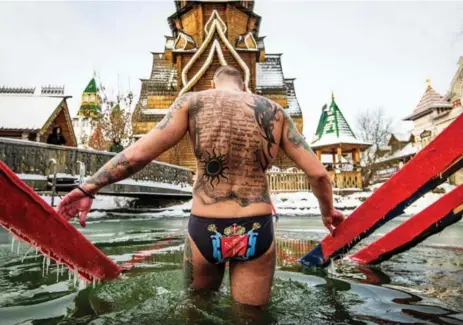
(299, 151)
(166, 134)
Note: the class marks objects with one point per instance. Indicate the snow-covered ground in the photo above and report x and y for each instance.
(289, 204)
(305, 203)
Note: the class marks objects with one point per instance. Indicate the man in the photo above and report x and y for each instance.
(235, 136)
(116, 146)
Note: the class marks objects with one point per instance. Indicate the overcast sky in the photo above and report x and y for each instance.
(371, 54)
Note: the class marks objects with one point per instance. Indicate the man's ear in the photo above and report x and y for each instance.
(244, 87)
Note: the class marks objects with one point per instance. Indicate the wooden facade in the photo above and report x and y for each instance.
(206, 35)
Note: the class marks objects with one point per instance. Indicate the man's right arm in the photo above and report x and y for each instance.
(299, 151)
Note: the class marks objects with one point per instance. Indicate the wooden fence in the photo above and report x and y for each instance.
(298, 182)
(287, 182)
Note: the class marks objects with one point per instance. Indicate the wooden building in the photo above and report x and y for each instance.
(435, 112)
(31, 115)
(206, 35)
(334, 138)
(89, 111)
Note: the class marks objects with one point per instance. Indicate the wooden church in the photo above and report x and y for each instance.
(206, 35)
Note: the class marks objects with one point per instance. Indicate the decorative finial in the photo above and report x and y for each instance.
(428, 81)
(332, 95)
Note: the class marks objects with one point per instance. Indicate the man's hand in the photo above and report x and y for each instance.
(73, 203)
(333, 220)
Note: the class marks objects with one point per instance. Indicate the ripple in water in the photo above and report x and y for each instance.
(153, 292)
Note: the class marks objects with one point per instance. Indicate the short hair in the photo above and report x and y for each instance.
(228, 72)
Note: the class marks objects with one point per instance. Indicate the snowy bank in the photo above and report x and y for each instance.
(287, 204)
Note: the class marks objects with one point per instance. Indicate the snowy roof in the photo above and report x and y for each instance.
(269, 74)
(260, 42)
(163, 76)
(155, 111)
(170, 42)
(429, 101)
(333, 129)
(26, 112)
(17, 90)
(409, 150)
(293, 104)
(401, 137)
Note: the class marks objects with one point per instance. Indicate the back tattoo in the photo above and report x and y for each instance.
(234, 140)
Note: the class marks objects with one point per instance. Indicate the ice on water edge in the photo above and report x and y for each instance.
(78, 282)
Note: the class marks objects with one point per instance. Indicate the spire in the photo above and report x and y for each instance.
(333, 128)
(428, 81)
(428, 102)
(90, 103)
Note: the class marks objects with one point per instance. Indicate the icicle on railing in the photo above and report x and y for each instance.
(73, 274)
(27, 253)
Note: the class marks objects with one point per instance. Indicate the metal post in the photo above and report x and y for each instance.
(81, 172)
(53, 186)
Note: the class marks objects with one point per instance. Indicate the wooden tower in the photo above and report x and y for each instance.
(335, 137)
(206, 35)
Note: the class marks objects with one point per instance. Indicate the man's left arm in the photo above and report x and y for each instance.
(165, 135)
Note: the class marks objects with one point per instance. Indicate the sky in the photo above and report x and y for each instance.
(371, 54)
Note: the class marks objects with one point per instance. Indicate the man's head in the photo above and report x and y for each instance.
(228, 77)
(117, 140)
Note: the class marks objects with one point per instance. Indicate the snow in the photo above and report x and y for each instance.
(286, 204)
(269, 74)
(428, 199)
(26, 112)
(180, 187)
(155, 111)
(305, 203)
(330, 139)
(402, 137)
(408, 150)
(34, 177)
(100, 203)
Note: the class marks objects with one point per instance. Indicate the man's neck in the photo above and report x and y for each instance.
(228, 87)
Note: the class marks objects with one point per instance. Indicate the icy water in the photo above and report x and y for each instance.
(422, 286)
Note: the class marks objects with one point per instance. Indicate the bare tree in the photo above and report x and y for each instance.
(115, 120)
(374, 127)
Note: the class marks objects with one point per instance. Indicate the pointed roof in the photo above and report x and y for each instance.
(429, 101)
(90, 104)
(333, 129)
(91, 87)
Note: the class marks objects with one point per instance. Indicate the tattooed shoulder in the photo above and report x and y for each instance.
(178, 104)
(294, 136)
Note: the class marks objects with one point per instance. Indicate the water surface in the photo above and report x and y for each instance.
(421, 286)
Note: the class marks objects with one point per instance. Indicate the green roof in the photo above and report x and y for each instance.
(91, 87)
(321, 121)
(90, 110)
(332, 121)
(333, 129)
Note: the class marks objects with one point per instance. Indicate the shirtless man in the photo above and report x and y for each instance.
(235, 136)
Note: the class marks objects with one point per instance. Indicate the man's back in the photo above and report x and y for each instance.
(235, 136)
